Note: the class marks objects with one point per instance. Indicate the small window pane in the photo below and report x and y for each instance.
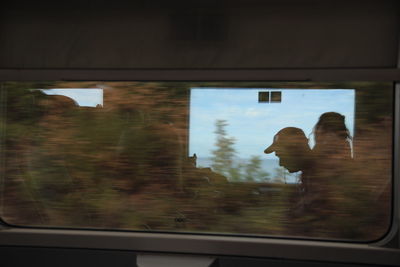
(276, 97)
(295, 159)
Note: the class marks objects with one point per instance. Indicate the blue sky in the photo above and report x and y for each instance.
(254, 124)
(88, 97)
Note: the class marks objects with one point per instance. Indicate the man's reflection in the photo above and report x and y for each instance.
(332, 148)
(291, 147)
(323, 169)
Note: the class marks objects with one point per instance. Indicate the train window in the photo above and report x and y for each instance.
(281, 159)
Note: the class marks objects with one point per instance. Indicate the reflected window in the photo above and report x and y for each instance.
(251, 125)
(88, 97)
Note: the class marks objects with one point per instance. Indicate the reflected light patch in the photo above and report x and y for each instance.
(87, 97)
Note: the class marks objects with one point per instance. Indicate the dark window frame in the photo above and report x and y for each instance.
(386, 251)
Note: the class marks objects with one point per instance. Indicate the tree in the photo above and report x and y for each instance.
(280, 176)
(254, 172)
(224, 159)
(224, 154)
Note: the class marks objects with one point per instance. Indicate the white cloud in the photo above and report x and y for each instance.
(252, 112)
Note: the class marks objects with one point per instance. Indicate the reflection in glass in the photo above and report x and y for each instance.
(199, 157)
(88, 97)
(253, 125)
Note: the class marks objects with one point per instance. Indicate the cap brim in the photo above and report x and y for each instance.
(270, 149)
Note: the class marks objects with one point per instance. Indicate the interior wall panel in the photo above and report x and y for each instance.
(216, 34)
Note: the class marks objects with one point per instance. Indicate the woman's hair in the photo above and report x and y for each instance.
(332, 122)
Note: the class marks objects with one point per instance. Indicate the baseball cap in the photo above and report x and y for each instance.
(285, 136)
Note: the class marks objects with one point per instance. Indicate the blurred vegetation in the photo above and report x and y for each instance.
(125, 166)
(226, 164)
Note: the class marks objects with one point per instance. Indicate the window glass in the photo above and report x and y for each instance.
(291, 159)
(251, 125)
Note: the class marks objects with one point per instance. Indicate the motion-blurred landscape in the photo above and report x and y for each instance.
(125, 165)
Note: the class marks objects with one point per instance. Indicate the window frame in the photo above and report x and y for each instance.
(385, 251)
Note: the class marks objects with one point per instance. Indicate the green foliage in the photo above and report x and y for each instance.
(226, 163)
(254, 172)
(223, 155)
(280, 175)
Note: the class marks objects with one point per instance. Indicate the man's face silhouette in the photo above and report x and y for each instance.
(291, 156)
(291, 147)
